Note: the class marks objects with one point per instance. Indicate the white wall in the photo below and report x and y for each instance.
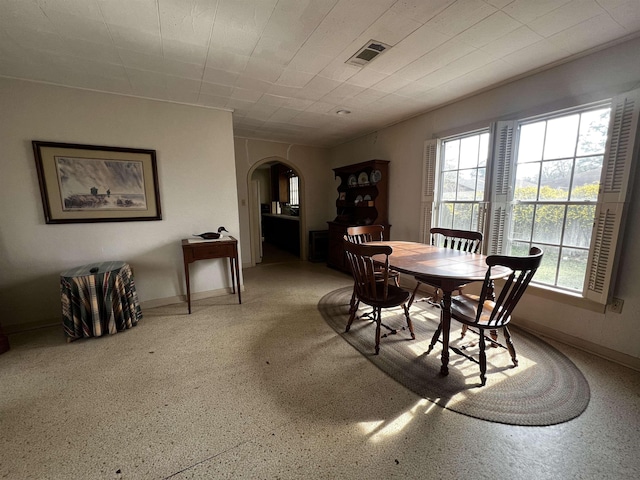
(197, 182)
(263, 176)
(317, 205)
(597, 76)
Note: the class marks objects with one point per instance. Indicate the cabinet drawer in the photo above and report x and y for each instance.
(204, 251)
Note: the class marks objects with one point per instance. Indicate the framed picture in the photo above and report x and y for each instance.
(91, 183)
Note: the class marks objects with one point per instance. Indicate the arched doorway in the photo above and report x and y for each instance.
(276, 211)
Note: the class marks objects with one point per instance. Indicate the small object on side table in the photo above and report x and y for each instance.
(212, 235)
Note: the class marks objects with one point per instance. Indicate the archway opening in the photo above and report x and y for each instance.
(276, 212)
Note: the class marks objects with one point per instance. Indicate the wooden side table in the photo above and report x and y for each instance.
(226, 247)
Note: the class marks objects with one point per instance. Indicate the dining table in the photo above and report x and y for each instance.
(446, 268)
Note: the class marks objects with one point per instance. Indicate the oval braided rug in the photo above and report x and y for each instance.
(546, 388)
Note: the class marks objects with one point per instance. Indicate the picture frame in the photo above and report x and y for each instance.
(93, 183)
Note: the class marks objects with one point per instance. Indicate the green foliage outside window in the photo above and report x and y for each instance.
(549, 218)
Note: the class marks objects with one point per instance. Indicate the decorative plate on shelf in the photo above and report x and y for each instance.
(352, 180)
(376, 176)
(367, 197)
(363, 178)
(358, 199)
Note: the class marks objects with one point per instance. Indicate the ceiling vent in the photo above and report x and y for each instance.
(371, 50)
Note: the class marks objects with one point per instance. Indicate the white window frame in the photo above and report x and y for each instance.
(512, 202)
(438, 202)
(621, 155)
(294, 190)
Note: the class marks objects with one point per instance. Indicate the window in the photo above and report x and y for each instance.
(557, 181)
(294, 196)
(558, 163)
(463, 163)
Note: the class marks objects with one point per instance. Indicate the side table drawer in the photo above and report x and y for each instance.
(205, 251)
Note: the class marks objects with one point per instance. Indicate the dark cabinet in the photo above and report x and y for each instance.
(362, 200)
(280, 183)
(283, 231)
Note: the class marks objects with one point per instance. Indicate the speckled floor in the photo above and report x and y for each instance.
(267, 390)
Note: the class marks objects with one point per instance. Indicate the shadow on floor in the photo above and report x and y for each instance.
(273, 254)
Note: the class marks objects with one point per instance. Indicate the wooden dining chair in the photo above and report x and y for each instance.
(463, 240)
(484, 312)
(363, 234)
(366, 233)
(372, 284)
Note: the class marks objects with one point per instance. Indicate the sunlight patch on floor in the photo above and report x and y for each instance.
(382, 430)
(370, 427)
(419, 348)
(496, 359)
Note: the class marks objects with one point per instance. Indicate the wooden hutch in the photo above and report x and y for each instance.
(362, 200)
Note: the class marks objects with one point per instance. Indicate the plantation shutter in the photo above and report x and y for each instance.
(613, 196)
(502, 154)
(482, 216)
(428, 187)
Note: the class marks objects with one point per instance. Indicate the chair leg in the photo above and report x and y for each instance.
(510, 347)
(352, 303)
(435, 337)
(483, 360)
(494, 336)
(465, 327)
(352, 314)
(378, 319)
(492, 333)
(409, 323)
(413, 295)
(436, 298)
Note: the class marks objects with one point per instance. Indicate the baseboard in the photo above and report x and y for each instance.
(25, 327)
(156, 302)
(579, 343)
(161, 302)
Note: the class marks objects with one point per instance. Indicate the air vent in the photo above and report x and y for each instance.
(371, 50)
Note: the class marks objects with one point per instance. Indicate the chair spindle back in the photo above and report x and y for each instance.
(365, 233)
(523, 270)
(368, 283)
(463, 240)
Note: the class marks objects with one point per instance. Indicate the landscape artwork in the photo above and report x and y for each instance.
(94, 183)
(98, 184)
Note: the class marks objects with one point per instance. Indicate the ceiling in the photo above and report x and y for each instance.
(280, 64)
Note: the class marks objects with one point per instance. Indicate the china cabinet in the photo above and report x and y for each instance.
(362, 199)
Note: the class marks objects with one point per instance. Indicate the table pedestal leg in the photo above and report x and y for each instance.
(446, 326)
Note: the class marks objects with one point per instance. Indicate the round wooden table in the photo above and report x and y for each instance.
(447, 268)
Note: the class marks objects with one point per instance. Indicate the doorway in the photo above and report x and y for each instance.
(276, 214)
